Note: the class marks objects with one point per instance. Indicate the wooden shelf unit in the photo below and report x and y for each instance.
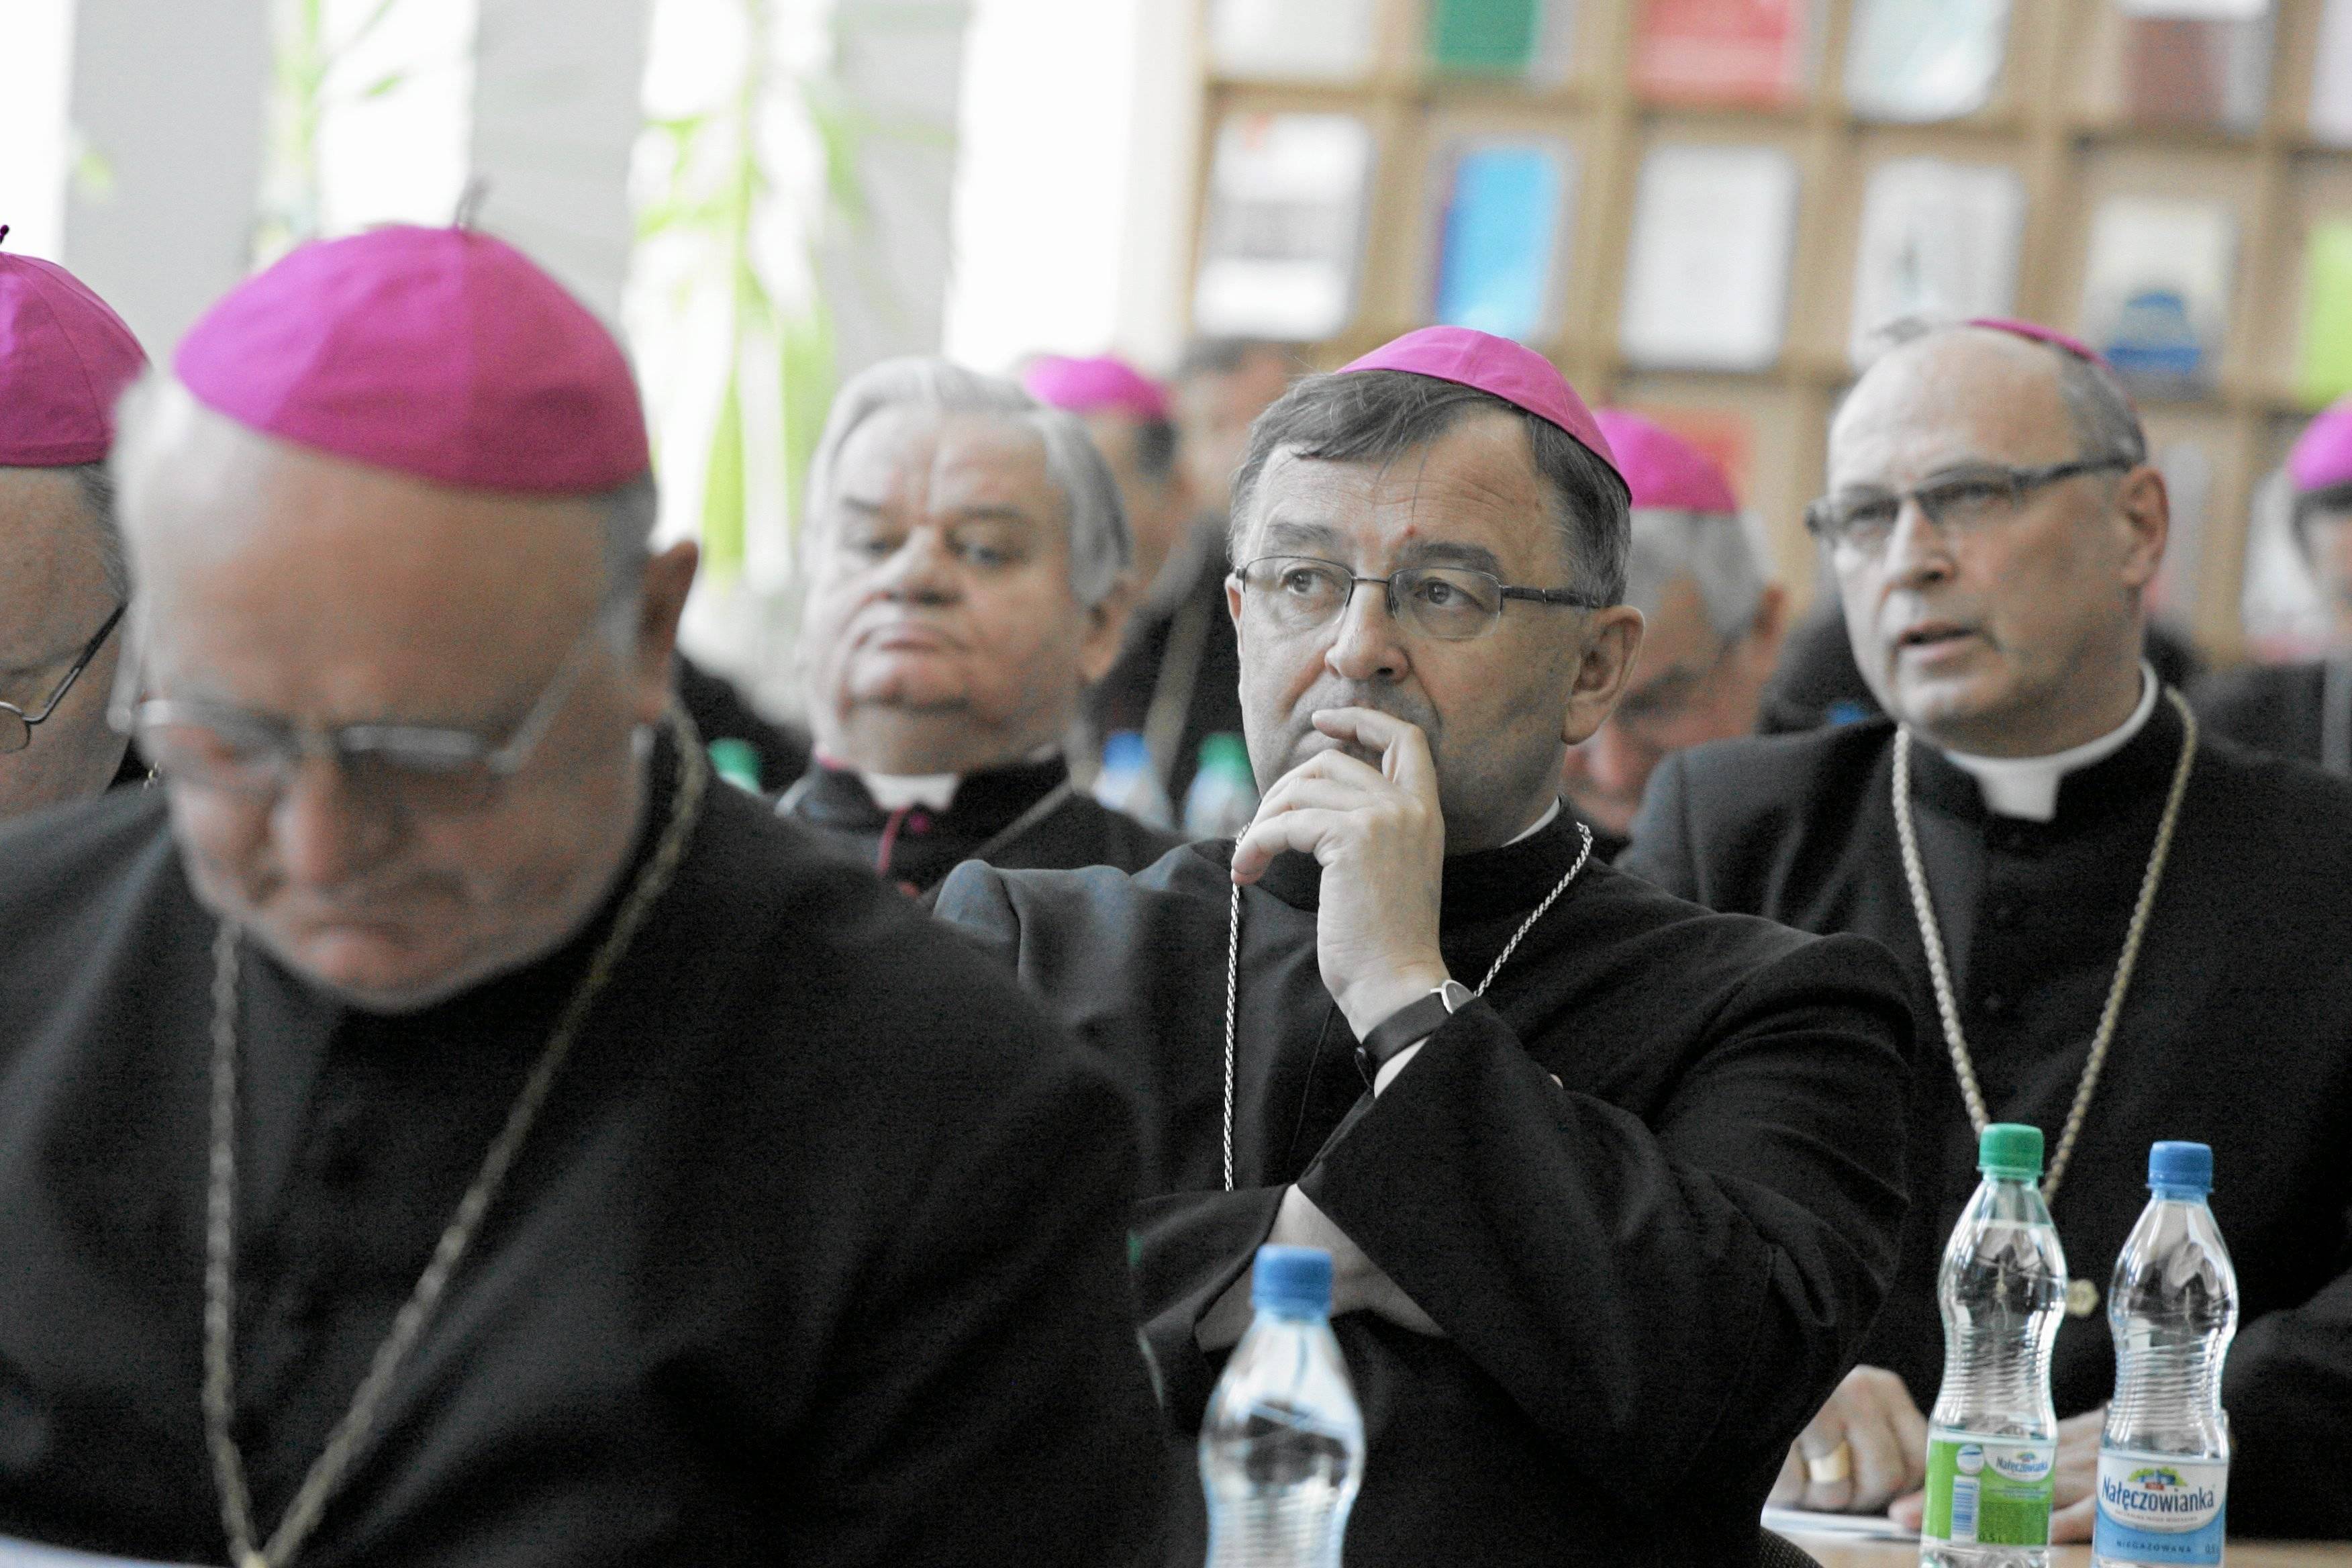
(2053, 119)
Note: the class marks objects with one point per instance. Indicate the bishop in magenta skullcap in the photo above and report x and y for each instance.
(64, 359)
(1510, 371)
(437, 353)
(1102, 385)
(1664, 472)
(2034, 331)
(2322, 457)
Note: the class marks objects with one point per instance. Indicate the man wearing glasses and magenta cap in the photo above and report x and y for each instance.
(65, 357)
(2117, 929)
(1612, 1183)
(440, 1125)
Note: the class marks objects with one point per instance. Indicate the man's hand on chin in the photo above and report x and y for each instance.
(1379, 836)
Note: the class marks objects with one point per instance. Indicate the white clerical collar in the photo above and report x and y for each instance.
(2028, 786)
(932, 792)
(1539, 824)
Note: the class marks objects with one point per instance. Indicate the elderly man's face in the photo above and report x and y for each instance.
(1693, 685)
(53, 599)
(1498, 709)
(941, 634)
(1159, 507)
(2019, 637)
(324, 593)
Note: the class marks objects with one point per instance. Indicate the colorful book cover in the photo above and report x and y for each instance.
(1937, 239)
(1293, 40)
(1757, 52)
(1282, 240)
(1921, 60)
(2325, 363)
(1706, 283)
(2196, 62)
(1502, 237)
(2156, 289)
(1484, 38)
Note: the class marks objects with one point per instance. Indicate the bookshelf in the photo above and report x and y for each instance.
(2057, 118)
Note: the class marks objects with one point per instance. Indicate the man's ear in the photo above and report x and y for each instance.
(1612, 642)
(2142, 512)
(1761, 646)
(1106, 630)
(661, 601)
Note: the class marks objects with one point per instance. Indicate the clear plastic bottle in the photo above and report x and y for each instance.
(1222, 800)
(1992, 1437)
(1128, 782)
(1282, 1448)
(2164, 1458)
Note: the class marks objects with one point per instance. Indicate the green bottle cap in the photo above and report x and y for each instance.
(736, 762)
(2009, 1149)
(1227, 751)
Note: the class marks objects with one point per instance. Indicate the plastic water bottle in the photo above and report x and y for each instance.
(736, 762)
(1222, 800)
(2163, 1459)
(1992, 1437)
(1127, 783)
(1281, 1448)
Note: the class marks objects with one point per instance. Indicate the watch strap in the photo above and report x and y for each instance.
(1413, 1022)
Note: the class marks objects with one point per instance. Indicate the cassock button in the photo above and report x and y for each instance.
(918, 822)
(2082, 1297)
(1994, 1004)
(2005, 912)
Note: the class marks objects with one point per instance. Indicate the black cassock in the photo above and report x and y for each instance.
(1027, 817)
(2302, 711)
(816, 1254)
(2237, 1031)
(1648, 1278)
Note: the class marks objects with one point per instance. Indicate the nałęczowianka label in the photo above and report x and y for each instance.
(1989, 1491)
(2160, 1508)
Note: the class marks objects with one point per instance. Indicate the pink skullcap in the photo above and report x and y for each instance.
(440, 352)
(2322, 457)
(65, 357)
(1664, 470)
(1512, 372)
(2036, 332)
(1104, 384)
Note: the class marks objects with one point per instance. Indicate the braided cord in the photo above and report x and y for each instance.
(1939, 974)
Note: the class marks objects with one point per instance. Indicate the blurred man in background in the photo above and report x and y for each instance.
(968, 576)
(2119, 932)
(1714, 622)
(1221, 385)
(65, 358)
(2304, 709)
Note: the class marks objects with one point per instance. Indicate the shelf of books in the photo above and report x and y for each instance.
(1706, 208)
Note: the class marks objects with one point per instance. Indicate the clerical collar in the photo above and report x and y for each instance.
(1538, 825)
(1482, 884)
(2027, 787)
(932, 792)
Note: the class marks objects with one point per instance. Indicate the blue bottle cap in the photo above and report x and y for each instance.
(1124, 750)
(2182, 1167)
(1292, 1279)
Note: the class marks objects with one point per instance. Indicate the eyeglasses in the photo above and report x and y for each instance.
(416, 767)
(1451, 603)
(17, 725)
(1955, 502)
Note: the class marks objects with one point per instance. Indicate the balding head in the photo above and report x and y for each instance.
(2013, 625)
(286, 593)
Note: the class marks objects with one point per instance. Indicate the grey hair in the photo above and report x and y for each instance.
(97, 499)
(2106, 422)
(1712, 550)
(1102, 548)
(1375, 415)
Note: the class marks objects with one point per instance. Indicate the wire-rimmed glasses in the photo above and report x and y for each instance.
(1861, 522)
(1451, 603)
(17, 725)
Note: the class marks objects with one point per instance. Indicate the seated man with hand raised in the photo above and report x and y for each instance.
(1612, 1183)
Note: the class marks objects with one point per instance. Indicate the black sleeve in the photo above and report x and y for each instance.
(1670, 1301)
(2288, 1389)
(987, 1402)
(1662, 852)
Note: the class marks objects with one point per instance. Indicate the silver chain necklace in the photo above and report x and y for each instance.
(1233, 975)
(220, 1207)
(1940, 976)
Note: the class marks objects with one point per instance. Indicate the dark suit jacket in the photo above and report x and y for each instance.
(2237, 1031)
(2266, 708)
